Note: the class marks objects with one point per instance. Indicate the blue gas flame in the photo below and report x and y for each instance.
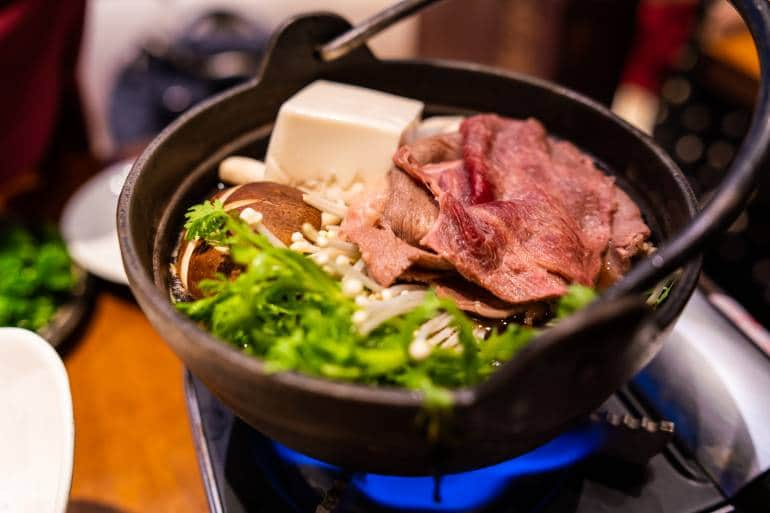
(467, 490)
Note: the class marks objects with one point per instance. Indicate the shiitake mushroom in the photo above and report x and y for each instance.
(283, 213)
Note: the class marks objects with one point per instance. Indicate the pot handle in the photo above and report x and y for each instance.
(734, 191)
(370, 27)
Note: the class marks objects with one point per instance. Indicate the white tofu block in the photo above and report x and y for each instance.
(337, 130)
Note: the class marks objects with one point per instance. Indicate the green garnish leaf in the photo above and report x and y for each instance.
(576, 298)
(663, 295)
(207, 221)
(36, 276)
(659, 294)
(286, 310)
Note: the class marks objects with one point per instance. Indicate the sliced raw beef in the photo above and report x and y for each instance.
(521, 214)
(386, 255)
(410, 209)
(520, 246)
(629, 232)
(437, 163)
(517, 213)
(502, 246)
(587, 193)
(474, 299)
(628, 238)
(518, 155)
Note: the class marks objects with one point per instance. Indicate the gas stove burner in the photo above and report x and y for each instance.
(621, 437)
(579, 472)
(456, 492)
(312, 486)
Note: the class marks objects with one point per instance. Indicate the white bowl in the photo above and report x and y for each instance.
(36, 425)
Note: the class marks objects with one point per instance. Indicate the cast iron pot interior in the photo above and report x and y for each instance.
(552, 384)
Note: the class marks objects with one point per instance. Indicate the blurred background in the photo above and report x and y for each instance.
(86, 84)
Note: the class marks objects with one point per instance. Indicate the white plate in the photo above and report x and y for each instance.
(88, 224)
(36, 425)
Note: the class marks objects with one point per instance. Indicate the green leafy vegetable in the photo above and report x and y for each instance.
(285, 309)
(207, 221)
(577, 297)
(659, 294)
(35, 276)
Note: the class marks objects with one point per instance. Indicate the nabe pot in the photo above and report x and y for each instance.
(553, 383)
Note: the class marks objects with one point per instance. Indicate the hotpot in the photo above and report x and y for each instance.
(552, 384)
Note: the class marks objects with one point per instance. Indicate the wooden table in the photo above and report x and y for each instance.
(133, 447)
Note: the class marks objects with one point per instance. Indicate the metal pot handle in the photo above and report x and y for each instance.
(370, 27)
(729, 199)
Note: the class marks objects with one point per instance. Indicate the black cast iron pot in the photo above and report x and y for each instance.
(553, 383)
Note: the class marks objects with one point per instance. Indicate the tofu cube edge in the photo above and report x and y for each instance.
(331, 129)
